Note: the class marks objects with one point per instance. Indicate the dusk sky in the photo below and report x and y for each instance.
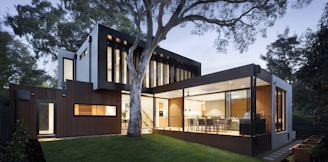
(202, 49)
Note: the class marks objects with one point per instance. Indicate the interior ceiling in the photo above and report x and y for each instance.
(236, 84)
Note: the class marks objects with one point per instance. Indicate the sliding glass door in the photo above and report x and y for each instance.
(46, 118)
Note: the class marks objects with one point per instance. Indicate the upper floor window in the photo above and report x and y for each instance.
(117, 66)
(109, 65)
(146, 79)
(162, 69)
(166, 74)
(160, 74)
(153, 73)
(124, 68)
(68, 66)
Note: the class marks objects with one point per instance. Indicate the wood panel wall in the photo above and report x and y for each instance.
(263, 104)
(239, 107)
(175, 112)
(66, 124)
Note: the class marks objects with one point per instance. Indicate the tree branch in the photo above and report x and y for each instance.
(161, 13)
(149, 19)
(217, 21)
(197, 3)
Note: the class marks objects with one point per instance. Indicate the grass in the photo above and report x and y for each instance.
(149, 147)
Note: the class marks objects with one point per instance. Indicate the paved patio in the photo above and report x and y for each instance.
(280, 153)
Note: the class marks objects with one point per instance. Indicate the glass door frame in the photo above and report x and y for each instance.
(38, 117)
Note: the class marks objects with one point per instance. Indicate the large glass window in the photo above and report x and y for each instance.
(94, 110)
(124, 68)
(172, 74)
(166, 74)
(181, 74)
(186, 74)
(146, 111)
(146, 79)
(117, 66)
(46, 118)
(160, 74)
(162, 112)
(109, 65)
(177, 74)
(153, 74)
(68, 69)
(280, 118)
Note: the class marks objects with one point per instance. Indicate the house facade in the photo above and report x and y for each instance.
(244, 105)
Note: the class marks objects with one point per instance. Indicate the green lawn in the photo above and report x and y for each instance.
(149, 147)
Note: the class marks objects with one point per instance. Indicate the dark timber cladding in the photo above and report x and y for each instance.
(66, 124)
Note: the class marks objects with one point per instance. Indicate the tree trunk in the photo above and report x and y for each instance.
(134, 129)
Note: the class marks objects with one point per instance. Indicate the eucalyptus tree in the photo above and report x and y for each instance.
(237, 21)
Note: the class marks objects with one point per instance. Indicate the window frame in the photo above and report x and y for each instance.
(78, 115)
(280, 109)
(38, 117)
(73, 66)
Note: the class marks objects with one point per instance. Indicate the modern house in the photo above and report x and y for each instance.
(244, 109)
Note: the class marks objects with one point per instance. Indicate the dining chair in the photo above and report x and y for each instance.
(210, 124)
(201, 123)
(227, 125)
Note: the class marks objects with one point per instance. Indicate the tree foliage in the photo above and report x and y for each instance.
(309, 68)
(314, 73)
(17, 65)
(283, 56)
(47, 27)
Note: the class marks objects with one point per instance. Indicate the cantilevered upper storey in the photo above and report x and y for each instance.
(101, 61)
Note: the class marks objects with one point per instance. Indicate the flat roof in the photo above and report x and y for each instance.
(231, 79)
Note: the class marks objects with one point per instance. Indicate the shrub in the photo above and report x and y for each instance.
(16, 150)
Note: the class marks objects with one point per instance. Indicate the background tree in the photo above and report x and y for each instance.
(17, 65)
(236, 21)
(283, 56)
(314, 72)
(304, 61)
(47, 27)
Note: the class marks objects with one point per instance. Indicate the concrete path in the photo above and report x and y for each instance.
(280, 153)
